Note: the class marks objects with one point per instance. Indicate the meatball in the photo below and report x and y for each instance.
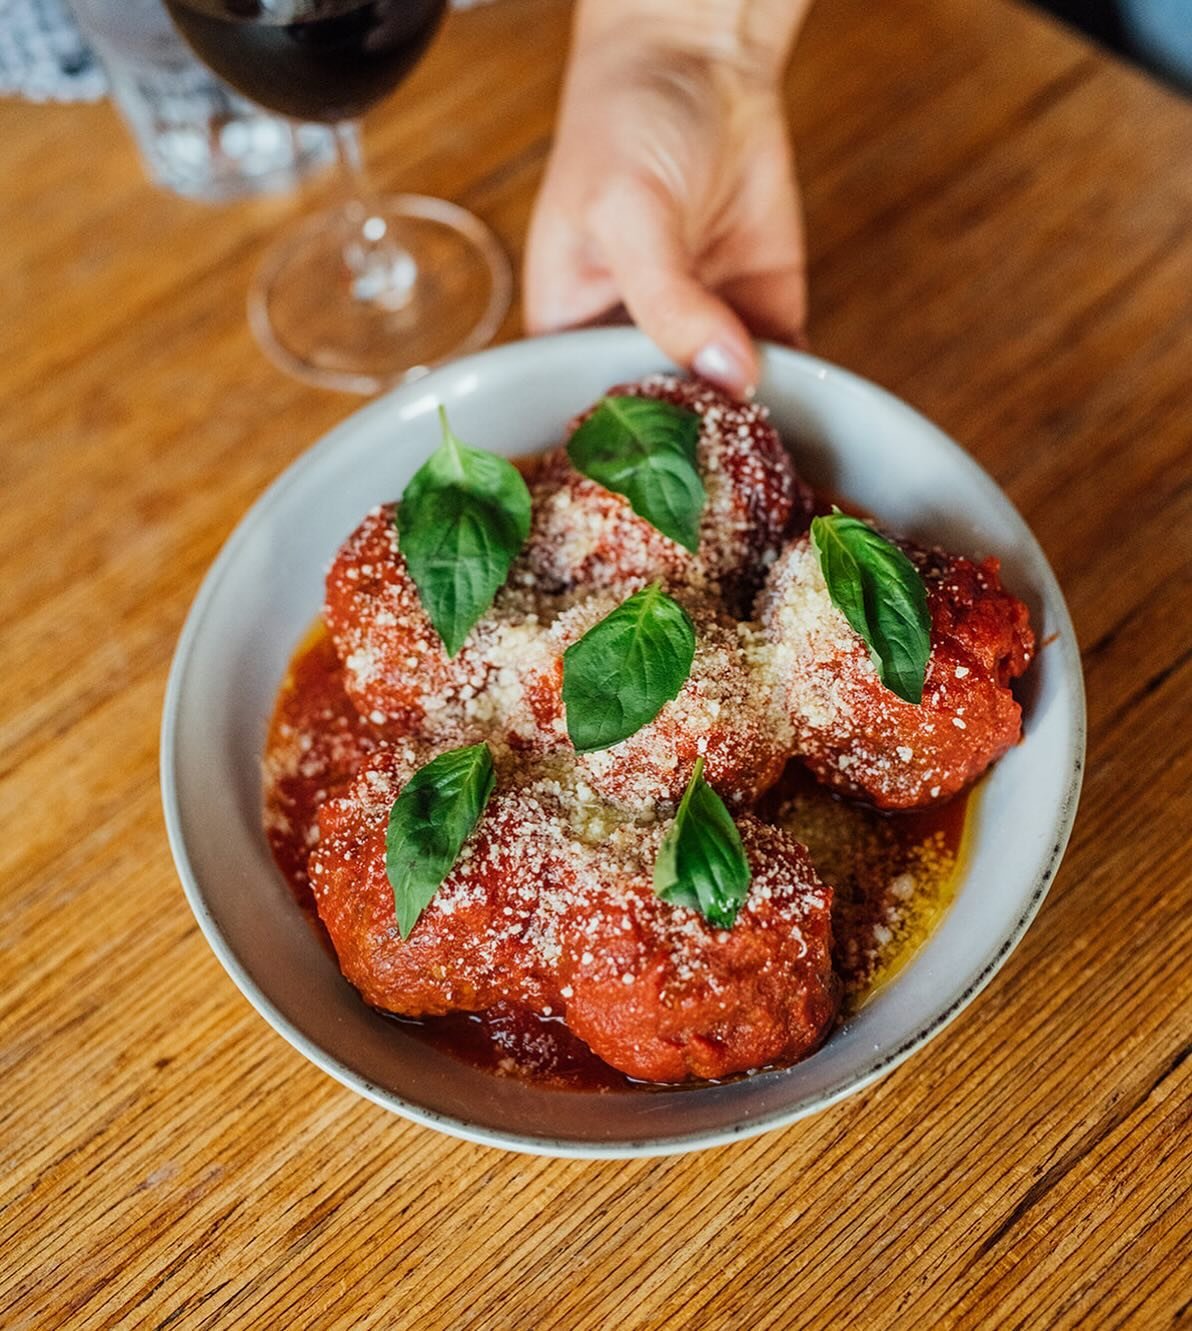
(394, 661)
(506, 683)
(856, 735)
(470, 948)
(660, 994)
(583, 535)
(395, 668)
(725, 712)
(551, 905)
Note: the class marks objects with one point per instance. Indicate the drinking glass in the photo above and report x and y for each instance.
(196, 136)
(381, 288)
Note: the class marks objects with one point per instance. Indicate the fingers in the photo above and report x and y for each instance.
(562, 287)
(761, 268)
(630, 247)
(639, 231)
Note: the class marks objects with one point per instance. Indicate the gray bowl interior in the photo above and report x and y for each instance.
(264, 591)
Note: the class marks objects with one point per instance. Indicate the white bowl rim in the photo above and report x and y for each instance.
(677, 1144)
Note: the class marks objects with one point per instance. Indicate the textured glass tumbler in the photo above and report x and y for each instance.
(197, 137)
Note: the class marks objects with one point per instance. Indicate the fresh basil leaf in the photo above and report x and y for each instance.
(461, 522)
(430, 820)
(644, 449)
(881, 594)
(621, 673)
(701, 862)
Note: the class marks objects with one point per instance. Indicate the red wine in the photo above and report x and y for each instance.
(312, 59)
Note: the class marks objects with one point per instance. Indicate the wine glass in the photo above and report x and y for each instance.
(376, 291)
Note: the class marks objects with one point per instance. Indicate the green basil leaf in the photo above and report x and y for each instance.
(879, 591)
(621, 673)
(701, 862)
(461, 522)
(644, 449)
(429, 822)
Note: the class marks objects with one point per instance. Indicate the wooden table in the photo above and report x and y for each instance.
(1001, 231)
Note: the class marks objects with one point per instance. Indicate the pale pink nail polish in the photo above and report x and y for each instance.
(724, 367)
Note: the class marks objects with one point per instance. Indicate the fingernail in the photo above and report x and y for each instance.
(725, 367)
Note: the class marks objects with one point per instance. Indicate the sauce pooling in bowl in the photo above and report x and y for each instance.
(893, 874)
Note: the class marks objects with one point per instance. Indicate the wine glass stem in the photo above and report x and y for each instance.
(381, 270)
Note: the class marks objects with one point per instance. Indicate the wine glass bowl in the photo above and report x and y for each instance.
(381, 288)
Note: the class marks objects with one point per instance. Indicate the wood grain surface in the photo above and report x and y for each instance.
(1001, 231)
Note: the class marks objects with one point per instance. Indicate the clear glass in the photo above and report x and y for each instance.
(380, 289)
(196, 136)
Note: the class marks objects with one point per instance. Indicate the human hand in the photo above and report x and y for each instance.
(671, 190)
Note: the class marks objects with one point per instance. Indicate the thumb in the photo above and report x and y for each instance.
(561, 287)
(640, 234)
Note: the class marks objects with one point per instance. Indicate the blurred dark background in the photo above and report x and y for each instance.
(1100, 18)
(1155, 33)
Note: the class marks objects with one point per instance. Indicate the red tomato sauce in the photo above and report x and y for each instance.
(893, 874)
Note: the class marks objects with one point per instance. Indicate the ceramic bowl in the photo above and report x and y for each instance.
(264, 590)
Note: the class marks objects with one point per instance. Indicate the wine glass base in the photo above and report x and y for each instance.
(339, 318)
